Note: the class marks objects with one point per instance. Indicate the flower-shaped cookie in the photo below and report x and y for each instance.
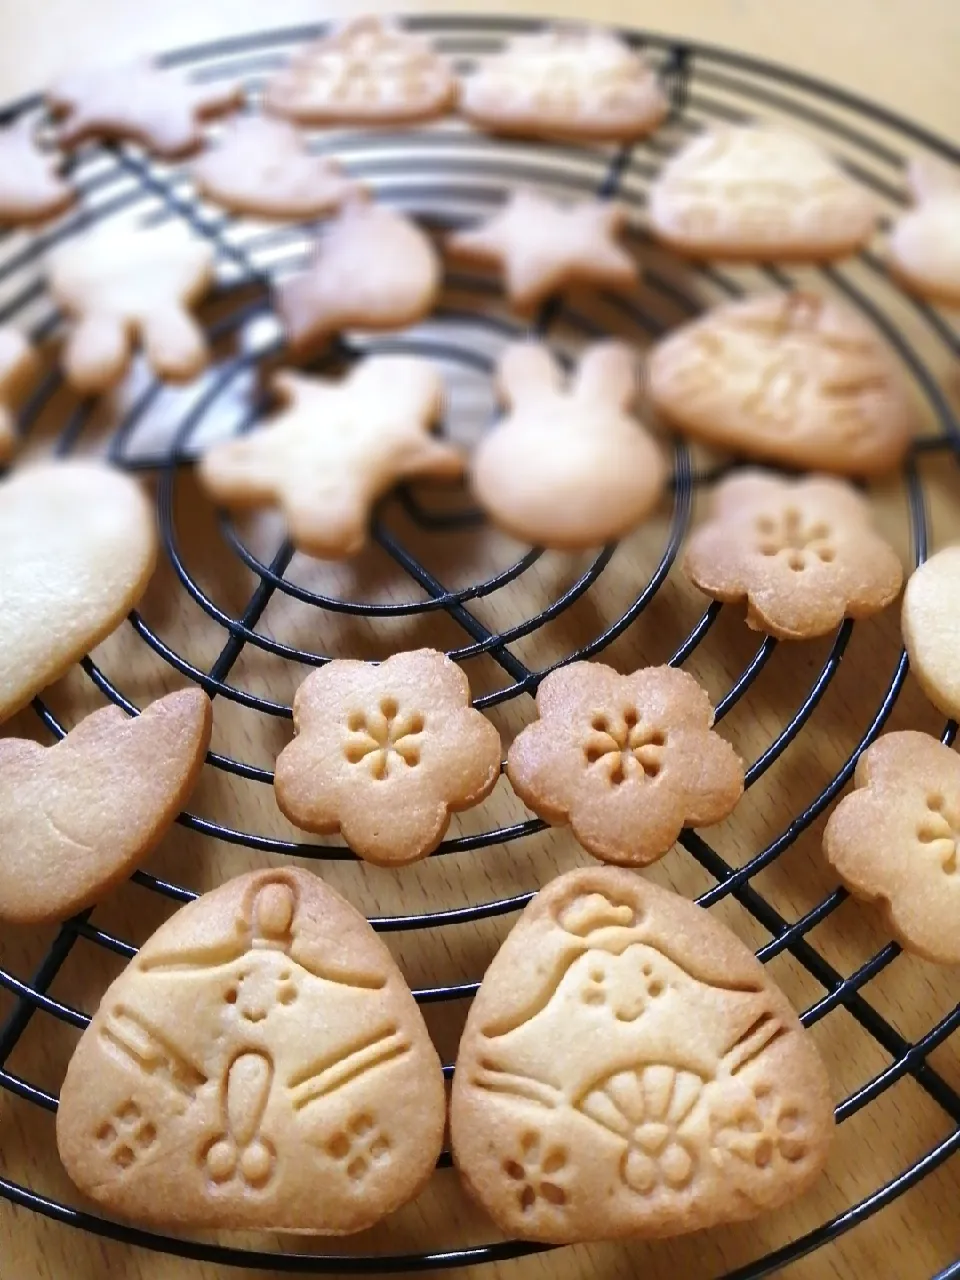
(628, 761)
(896, 838)
(924, 245)
(384, 754)
(31, 188)
(802, 553)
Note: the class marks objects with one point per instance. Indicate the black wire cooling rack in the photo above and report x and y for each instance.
(445, 174)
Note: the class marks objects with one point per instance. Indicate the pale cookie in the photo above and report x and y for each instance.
(368, 71)
(373, 269)
(31, 188)
(924, 244)
(384, 754)
(786, 377)
(752, 191)
(895, 840)
(19, 367)
(569, 466)
(543, 247)
(628, 1068)
(579, 83)
(78, 544)
(802, 554)
(78, 817)
(263, 167)
(118, 285)
(261, 1065)
(627, 761)
(142, 101)
(930, 622)
(335, 449)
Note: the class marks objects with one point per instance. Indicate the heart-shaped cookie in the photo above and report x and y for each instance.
(78, 544)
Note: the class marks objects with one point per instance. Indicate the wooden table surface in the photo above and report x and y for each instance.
(900, 52)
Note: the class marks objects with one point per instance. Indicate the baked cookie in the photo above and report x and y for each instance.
(31, 188)
(929, 620)
(924, 244)
(263, 167)
(803, 554)
(754, 191)
(19, 367)
(80, 816)
(78, 544)
(628, 761)
(629, 1068)
(579, 83)
(568, 466)
(786, 377)
(120, 283)
(153, 105)
(543, 247)
(384, 754)
(895, 840)
(335, 449)
(368, 71)
(262, 1045)
(373, 269)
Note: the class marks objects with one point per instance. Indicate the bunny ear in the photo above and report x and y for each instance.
(608, 374)
(526, 372)
(928, 178)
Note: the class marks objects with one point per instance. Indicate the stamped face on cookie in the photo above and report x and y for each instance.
(31, 188)
(628, 1068)
(752, 191)
(18, 369)
(263, 1043)
(802, 554)
(570, 82)
(896, 839)
(385, 754)
(626, 760)
(929, 619)
(568, 466)
(369, 71)
(924, 244)
(793, 378)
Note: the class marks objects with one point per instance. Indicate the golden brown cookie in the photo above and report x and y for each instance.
(264, 167)
(120, 284)
(373, 269)
(568, 466)
(803, 554)
(894, 840)
(572, 82)
(335, 449)
(78, 817)
(929, 621)
(19, 367)
(754, 191)
(261, 1064)
(78, 544)
(153, 105)
(384, 754)
(368, 71)
(628, 1068)
(627, 761)
(924, 244)
(543, 247)
(786, 377)
(31, 188)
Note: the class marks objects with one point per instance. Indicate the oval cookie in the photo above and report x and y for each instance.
(792, 378)
(78, 544)
(628, 1068)
(930, 622)
(260, 1064)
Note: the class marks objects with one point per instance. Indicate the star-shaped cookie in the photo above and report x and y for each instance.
(140, 100)
(543, 246)
(335, 449)
(31, 189)
(18, 367)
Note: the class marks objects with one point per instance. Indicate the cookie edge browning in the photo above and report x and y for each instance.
(909, 629)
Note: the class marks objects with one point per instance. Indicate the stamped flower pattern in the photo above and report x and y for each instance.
(385, 753)
(756, 1129)
(628, 761)
(802, 554)
(538, 1171)
(896, 839)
